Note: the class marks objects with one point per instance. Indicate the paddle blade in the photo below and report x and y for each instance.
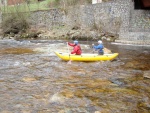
(69, 62)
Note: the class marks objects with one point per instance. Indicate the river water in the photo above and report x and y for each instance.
(34, 80)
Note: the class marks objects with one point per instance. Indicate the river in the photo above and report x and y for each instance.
(34, 80)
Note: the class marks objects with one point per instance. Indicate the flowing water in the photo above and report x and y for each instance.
(34, 80)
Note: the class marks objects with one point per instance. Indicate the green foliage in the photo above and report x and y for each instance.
(27, 6)
(34, 5)
(16, 16)
(14, 23)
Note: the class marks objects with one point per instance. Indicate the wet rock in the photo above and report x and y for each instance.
(18, 106)
(5, 111)
(29, 79)
(75, 28)
(17, 36)
(103, 111)
(12, 34)
(64, 33)
(26, 111)
(144, 105)
(135, 64)
(26, 63)
(104, 38)
(38, 96)
(118, 81)
(16, 63)
(67, 94)
(147, 74)
(2, 80)
(57, 98)
(91, 109)
(66, 110)
(62, 111)
(107, 51)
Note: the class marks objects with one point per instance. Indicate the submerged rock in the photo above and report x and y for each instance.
(137, 64)
(57, 98)
(147, 74)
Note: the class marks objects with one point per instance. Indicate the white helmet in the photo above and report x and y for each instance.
(100, 42)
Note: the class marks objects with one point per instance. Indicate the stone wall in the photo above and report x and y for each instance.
(118, 17)
(47, 19)
(0, 23)
(137, 27)
(0, 19)
(107, 17)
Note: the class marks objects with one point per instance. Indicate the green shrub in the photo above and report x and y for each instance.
(14, 23)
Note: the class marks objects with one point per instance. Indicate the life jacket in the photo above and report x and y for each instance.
(76, 50)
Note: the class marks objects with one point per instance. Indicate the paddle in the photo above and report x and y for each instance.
(69, 62)
(93, 48)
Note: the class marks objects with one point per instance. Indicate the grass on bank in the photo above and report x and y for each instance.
(25, 7)
(43, 5)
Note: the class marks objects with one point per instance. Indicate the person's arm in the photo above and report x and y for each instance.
(96, 47)
(71, 44)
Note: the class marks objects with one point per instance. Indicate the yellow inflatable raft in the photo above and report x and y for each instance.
(86, 57)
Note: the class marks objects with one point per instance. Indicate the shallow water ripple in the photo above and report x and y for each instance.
(34, 80)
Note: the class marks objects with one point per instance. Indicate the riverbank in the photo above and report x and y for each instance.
(69, 34)
(135, 42)
(65, 33)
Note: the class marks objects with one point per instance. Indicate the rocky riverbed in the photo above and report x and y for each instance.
(34, 80)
